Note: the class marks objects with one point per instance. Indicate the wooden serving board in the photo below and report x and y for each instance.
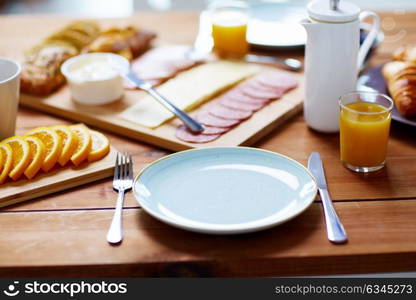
(57, 180)
(107, 117)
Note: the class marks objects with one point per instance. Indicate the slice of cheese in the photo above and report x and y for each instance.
(188, 90)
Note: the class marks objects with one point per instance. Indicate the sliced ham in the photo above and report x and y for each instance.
(161, 63)
(182, 63)
(153, 73)
(238, 95)
(281, 79)
(244, 106)
(255, 84)
(206, 118)
(215, 130)
(184, 134)
(261, 93)
(238, 104)
(224, 112)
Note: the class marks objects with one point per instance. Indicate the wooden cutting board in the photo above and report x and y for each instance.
(107, 117)
(57, 180)
(15, 42)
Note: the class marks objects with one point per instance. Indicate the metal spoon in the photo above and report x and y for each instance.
(190, 123)
(287, 63)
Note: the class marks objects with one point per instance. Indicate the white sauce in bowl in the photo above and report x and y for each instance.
(95, 78)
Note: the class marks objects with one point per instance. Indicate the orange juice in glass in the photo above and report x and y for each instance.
(229, 28)
(364, 130)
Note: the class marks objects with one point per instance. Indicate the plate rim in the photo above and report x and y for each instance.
(395, 115)
(223, 231)
(379, 38)
(294, 46)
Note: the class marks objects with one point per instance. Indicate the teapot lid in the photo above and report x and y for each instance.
(333, 11)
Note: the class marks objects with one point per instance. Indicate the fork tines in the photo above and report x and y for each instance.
(123, 171)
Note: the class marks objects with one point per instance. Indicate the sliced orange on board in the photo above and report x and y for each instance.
(69, 143)
(100, 146)
(37, 156)
(84, 143)
(53, 145)
(20, 156)
(7, 158)
(43, 147)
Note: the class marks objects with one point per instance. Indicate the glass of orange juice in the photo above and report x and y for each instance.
(229, 28)
(364, 130)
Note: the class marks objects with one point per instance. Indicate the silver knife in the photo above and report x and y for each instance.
(204, 43)
(189, 122)
(335, 230)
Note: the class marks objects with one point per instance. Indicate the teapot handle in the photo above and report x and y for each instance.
(369, 40)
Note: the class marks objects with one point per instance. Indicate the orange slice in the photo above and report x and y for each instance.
(53, 145)
(69, 142)
(20, 156)
(7, 158)
(84, 143)
(37, 156)
(100, 146)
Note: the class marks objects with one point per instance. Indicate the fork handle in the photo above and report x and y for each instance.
(115, 233)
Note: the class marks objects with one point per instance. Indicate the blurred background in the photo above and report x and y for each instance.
(120, 8)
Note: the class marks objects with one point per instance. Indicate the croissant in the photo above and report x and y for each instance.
(79, 34)
(401, 82)
(406, 53)
(128, 42)
(41, 73)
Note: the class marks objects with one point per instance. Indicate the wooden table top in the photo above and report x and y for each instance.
(64, 233)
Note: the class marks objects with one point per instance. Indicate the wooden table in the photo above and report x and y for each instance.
(64, 234)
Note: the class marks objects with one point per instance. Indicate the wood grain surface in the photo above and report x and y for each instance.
(64, 233)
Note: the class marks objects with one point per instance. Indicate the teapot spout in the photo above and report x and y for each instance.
(310, 27)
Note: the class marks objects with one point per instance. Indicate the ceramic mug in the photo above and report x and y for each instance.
(9, 96)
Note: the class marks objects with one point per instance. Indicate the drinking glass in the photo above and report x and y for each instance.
(229, 28)
(364, 130)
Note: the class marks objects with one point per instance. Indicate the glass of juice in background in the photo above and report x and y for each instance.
(229, 28)
(364, 130)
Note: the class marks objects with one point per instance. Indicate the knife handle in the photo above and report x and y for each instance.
(335, 230)
(189, 122)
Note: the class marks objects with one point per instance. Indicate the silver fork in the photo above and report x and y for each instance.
(122, 182)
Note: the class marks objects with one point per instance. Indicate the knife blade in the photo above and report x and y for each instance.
(335, 230)
(317, 169)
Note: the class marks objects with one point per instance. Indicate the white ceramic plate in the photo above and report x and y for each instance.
(276, 25)
(225, 190)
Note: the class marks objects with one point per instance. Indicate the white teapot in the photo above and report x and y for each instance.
(333, 57)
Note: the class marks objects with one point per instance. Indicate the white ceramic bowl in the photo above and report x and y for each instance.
(95, 78)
